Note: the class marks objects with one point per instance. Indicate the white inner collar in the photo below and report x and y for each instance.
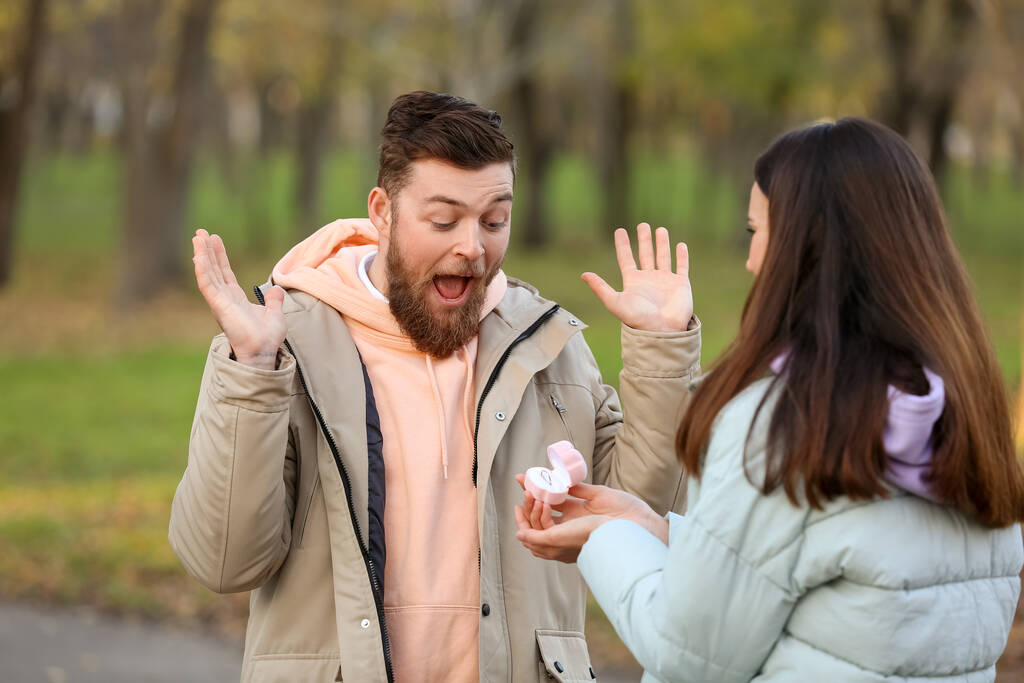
(364, 266)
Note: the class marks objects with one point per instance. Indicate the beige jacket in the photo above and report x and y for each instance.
(274, 497)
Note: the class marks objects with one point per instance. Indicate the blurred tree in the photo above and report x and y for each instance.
(616, 116)
(929, 47)
(317, 105)
(535, 142)
(161, 126)
(17, 91)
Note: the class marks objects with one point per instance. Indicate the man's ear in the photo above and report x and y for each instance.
(378, 207)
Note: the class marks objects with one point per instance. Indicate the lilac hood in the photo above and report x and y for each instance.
(907, 437)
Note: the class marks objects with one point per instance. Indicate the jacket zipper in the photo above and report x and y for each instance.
(367, 560)
(561, 414)
(527, 333)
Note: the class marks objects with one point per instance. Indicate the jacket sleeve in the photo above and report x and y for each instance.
(231, 516)
(634, 447)
(712, 604)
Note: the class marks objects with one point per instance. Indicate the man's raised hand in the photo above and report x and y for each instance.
(255, 332)
(653, 297)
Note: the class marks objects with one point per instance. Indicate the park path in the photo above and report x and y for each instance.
(53, 645)
(48, 645)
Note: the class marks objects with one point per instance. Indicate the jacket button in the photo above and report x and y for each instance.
(485, 609)
(365, 623)
(574, 322)
(499, 416)
(558, 667)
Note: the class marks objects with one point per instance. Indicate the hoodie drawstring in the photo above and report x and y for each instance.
(440, 414)
(467, 397)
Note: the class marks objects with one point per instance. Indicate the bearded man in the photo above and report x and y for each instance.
(358, 433)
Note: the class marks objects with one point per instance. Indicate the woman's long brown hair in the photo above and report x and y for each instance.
(861, 286)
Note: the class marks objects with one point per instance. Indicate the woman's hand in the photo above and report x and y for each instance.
(653, 298)
(561, 537)
(561, 542)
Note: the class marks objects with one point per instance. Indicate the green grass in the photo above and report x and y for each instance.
(97, 405)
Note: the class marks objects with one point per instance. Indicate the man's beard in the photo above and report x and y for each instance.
(438, 334)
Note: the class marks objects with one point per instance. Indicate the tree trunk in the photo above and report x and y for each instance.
(312, 140)
(617, 121)
(14, 129)
(158, 167)
(923, 96)
(961, 19)
(534, 142)
(899, 18)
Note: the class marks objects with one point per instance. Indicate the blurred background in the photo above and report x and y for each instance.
(127, 124)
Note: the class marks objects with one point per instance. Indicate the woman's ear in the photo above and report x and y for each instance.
(378, 207)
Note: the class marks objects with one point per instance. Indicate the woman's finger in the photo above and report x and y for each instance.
(528, 501)
(662, 250)
(571, 508)
(535, 515)
(585, 491)
(521, 521)
(644, 246)
(546, 521)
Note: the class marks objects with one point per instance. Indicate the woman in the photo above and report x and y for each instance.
(854, 494)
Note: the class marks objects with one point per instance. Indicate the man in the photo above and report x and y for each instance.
(356, 440)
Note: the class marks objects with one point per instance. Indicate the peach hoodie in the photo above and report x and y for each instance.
(426, 406)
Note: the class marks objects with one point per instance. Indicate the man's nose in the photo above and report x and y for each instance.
(470, 245)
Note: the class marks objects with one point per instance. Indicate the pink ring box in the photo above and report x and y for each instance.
(551, 486)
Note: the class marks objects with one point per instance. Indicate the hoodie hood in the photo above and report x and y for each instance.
(326, 265)
(907, 437)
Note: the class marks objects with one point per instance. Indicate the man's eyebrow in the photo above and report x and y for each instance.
(439, 198)
(445, 200)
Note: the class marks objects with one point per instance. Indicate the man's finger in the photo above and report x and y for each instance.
(601, 289)
(221, 255)
(204, 261)
(683, 259)
(644, 246)
(274, 298)
(624, 251)
(662, 250)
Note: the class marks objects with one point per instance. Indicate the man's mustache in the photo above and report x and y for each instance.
(475, 269)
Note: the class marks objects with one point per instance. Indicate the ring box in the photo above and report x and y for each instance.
(568, 468)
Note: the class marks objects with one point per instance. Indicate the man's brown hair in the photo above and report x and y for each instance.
(861, 287)
(428, 125)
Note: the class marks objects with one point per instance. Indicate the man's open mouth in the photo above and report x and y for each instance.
(452, 289)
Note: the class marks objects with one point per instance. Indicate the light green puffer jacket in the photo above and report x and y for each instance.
(754, 588)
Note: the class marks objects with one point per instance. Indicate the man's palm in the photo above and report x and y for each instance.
(653, 297)
(255, 332)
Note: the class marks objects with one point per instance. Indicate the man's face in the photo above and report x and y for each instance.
(446, 239)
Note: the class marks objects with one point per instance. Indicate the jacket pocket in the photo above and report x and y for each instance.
(304, 522)
(564, 656)
(561, 410)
